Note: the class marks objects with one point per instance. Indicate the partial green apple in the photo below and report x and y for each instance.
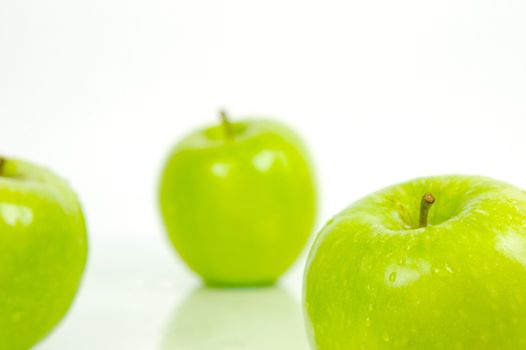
(238, 201)
(436, 263)
(42, 252)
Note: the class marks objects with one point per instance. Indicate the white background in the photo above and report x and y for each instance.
(382, 91)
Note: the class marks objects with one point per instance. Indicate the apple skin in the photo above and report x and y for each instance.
(240, 209)
(375, 280)
(42, 252)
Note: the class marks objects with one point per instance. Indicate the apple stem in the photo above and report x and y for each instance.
(2, 163)
(227, 125)
(427, 201)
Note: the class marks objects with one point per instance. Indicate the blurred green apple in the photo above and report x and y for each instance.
(381, 276)
(42, 252)
(238, 201)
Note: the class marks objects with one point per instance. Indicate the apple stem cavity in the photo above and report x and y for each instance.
(427, 202)
(227, 125)
(2, 163)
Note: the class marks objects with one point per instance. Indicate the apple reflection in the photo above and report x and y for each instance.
(251, 319)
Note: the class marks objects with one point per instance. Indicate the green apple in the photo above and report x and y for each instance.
(42, 252)
(238, 201)
(388, 273)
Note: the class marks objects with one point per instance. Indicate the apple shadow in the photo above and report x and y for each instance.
(242, 319)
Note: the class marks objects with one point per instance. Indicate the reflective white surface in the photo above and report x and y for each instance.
(137, 296)
(257, 319)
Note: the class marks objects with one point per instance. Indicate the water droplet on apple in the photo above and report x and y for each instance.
(449, 269)
(392, 276)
